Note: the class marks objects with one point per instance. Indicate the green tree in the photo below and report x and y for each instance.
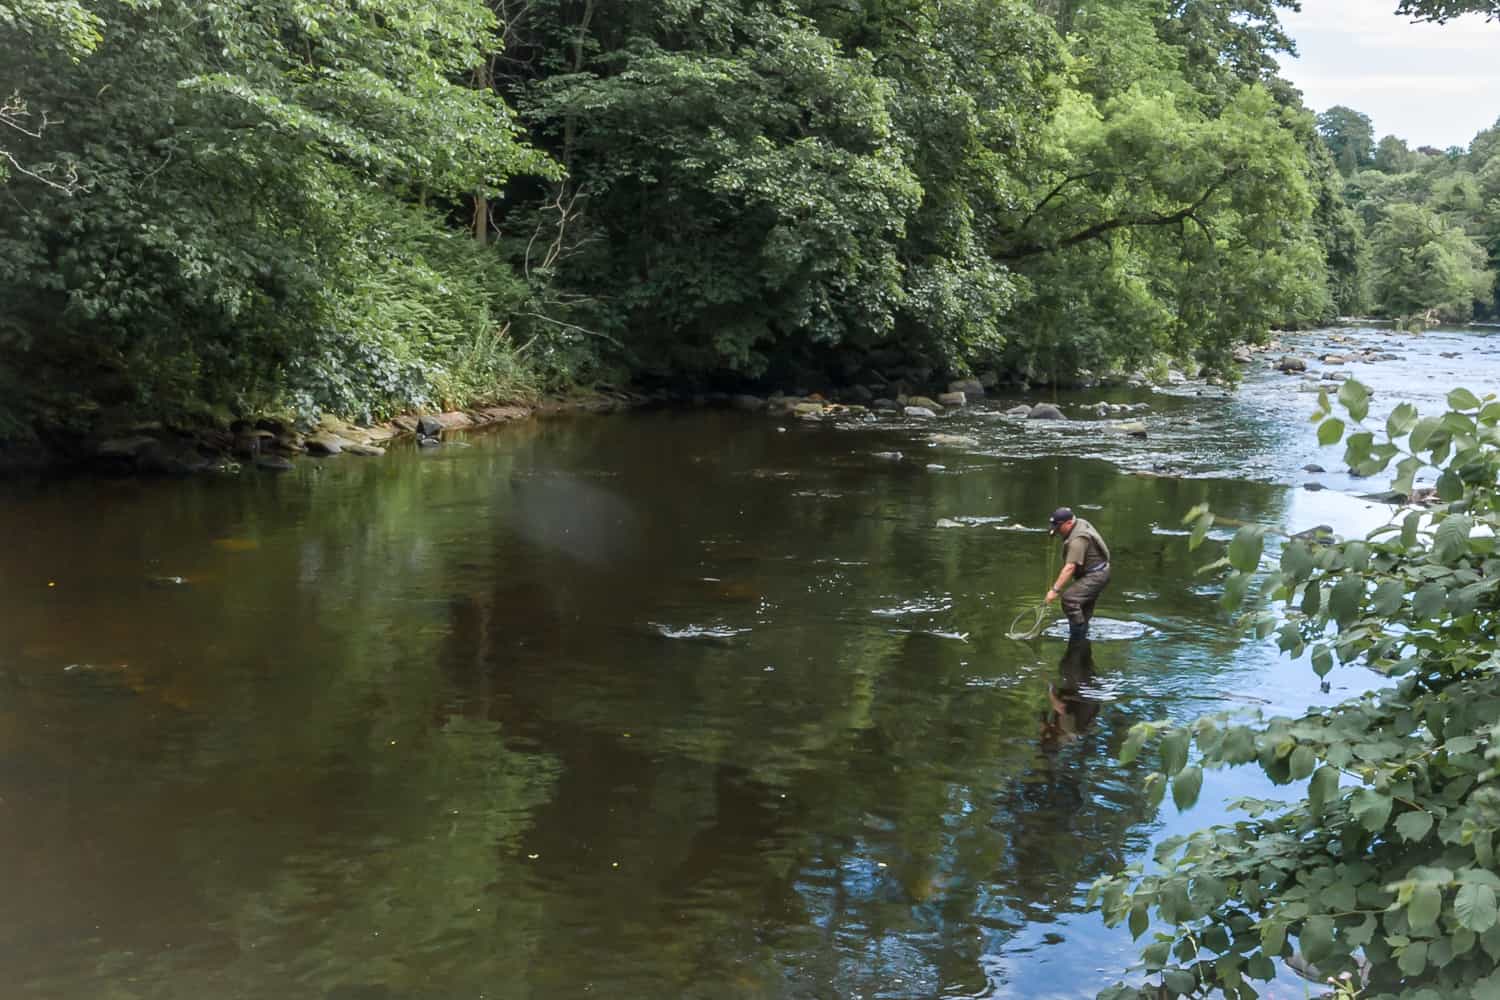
(248, 231)
(1446, 10)
(1424, 266)
(57, 29)
(1350, 137)
(1393, 157)
(1383, 868)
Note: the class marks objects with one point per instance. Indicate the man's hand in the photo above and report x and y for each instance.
(1051, 596)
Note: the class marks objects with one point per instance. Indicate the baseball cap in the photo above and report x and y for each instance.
(1060, 516)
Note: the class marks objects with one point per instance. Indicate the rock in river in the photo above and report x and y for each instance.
(1044, 411)
(919, 411)
(953, 399)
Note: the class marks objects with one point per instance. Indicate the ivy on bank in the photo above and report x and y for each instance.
(1380, 872)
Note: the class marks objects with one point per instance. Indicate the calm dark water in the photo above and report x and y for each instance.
(661, 705)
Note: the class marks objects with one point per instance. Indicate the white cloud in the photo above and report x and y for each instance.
(1430, 84)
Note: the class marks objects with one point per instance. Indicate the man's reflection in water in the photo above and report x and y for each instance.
(1069, 710)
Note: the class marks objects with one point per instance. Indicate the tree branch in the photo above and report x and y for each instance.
(1121, 222)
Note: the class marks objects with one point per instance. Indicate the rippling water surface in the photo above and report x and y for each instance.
(661, 705)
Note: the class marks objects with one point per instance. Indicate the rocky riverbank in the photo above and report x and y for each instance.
(276, 444)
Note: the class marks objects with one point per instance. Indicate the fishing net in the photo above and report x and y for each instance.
(1033, 621)
(1029, 624)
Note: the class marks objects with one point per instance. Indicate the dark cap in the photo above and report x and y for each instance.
(1060, 517)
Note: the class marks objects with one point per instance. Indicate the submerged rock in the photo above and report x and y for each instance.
(273, 463)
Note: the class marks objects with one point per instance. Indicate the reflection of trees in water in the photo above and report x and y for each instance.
(860, 814)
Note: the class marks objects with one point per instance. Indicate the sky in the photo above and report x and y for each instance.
(1430, 84)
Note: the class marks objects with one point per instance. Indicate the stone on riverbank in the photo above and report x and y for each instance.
(124, 448)
(360, 448)
(325, 444)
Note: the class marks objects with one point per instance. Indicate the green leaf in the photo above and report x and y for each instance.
(1428, 601)
(1302, 762)
(1402, 419)
(1323, 787)
(1296, 559)
(1186, 785)
(1463, 399)
(1426, 903)
(1355, 397)
(1449, 486)
(1179, 981)
(1272, 936)
(1357, 448)
(1174, 750)
(1423, 432)
(1370, 808)
(1316, 938)
(1200, 531)
(1330, 431)
(1345, 598)
(1322, 660)
(1475, 907)
(1140, 919)
(1413, 958)
(1414, 825)
(1133, 742)
(1451, 542)
(1387, 598)
(1246, 547)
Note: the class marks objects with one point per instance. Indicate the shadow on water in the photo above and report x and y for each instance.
(671, 704)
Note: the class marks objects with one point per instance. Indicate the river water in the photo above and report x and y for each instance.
(670, 704)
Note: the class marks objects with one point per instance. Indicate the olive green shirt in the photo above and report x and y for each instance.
(1084, 547)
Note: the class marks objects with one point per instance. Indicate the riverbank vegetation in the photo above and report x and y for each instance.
(364, 207)
(1379, 873)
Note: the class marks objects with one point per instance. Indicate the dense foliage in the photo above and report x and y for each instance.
(1383, 865)
(246, 229)
(1429, 219)
(367, 206)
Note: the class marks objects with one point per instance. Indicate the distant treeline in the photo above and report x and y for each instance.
(364, 206)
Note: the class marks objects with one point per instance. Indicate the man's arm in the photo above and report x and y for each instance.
(1062, 581)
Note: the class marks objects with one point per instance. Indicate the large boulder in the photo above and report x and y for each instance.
(1291, 363)
(1044, 411)
(429, 426)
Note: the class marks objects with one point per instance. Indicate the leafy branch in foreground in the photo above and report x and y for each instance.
(1380, 872)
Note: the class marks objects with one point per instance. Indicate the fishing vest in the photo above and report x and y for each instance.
(1095, 553)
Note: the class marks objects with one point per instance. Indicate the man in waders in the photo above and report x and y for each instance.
(1085, 565)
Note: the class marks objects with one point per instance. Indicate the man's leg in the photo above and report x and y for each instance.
(1079, 599)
